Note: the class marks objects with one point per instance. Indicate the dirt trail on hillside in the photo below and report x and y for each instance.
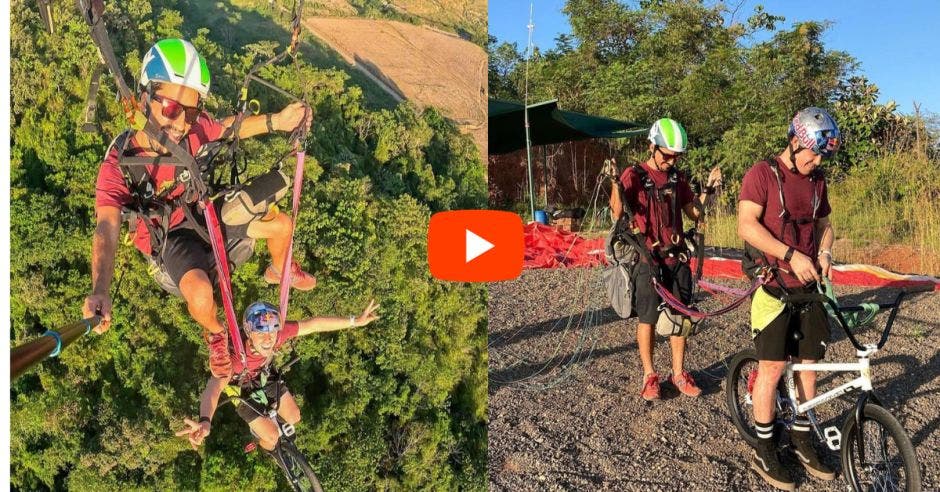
(425, 66)
(593, 432)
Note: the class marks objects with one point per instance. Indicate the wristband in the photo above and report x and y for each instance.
(205, 419)
(269, 120)
(352, 321)
(709, 190)
(825, 252)
(789, 254)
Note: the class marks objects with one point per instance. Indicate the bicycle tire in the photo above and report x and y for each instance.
(298, 472)
(885, 425)
(741, 414)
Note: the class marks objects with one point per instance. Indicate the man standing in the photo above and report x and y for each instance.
(783, 217)
(174, 79)
(656, 193)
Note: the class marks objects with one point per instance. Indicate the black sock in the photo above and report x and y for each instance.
(799, 433)
(765, 434)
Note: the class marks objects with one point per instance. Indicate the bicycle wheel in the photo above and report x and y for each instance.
(738, 384)
(297, 470)
(890, 463)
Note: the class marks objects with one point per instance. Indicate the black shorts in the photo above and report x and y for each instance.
(678, 279)
(186, 250)
(800, 331)
(255, 400)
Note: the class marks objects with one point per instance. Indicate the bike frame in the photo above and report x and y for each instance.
(862, 382)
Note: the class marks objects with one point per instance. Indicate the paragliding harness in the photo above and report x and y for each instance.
(241, 203)
(626, 248)
(755, 262)
(188, 170)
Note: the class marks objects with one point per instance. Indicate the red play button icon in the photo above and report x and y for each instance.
(475, 245)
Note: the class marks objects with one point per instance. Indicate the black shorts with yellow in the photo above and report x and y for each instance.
(800, 331)
(259, 396)
(677, 278)
(187, 250)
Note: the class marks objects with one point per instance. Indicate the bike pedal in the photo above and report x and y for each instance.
(833, 438)
(250, 447)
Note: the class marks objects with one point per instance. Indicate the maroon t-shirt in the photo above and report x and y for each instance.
(254, 362)
(655, 220)
(760, 187)
(112, 191)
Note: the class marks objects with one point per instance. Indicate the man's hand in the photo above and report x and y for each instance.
(98, 304)
(803, 268)
(368, 315)
(610, 168)
(292, 116)
(714, 178)
(195, 432)
(825, 263)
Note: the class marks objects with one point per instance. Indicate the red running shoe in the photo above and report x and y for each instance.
(651, 387)
(686, 384)
(299, 279)
(220, 362)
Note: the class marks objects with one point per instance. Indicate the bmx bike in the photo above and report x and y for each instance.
(875, 451)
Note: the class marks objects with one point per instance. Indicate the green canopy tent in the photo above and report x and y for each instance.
(548, 125)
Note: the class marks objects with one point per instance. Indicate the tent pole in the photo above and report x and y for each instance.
(528, 138)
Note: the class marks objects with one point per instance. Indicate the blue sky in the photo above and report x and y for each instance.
(896, 43)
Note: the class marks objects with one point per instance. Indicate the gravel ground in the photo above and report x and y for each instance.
(557, 428)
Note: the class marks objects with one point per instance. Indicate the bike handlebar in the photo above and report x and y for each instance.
(822, 298)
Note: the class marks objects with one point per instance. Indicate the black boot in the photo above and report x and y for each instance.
(803, 449)
(766, 463)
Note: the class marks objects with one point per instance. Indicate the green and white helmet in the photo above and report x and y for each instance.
(175, 61)
(669, 134)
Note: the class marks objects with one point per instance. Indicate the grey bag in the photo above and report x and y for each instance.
(673, 324)
(253, 200)
(622, 257)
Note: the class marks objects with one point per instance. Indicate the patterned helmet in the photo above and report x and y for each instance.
(669, 134)
(261, 317)
(175, 61)
(816, 130)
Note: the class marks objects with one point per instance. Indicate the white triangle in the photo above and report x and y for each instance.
(476, 246)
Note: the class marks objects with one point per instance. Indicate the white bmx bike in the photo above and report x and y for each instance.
(876, 453)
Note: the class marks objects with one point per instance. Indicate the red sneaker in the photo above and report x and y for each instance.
(220, 362)
(651, 387)
(299, 279)
(686, 384)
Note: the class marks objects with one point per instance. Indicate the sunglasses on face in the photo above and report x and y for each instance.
(173, 109)
(668, 157)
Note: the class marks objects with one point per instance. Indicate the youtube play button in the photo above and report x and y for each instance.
(475, 245)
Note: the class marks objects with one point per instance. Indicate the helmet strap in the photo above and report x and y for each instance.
(792, 155)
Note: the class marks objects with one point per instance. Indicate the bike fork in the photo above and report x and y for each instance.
(859, 417)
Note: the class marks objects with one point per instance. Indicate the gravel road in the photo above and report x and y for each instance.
(565, 411)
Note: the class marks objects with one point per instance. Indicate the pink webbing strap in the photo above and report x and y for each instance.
(225, 281)
(677, 305)
(288, 258)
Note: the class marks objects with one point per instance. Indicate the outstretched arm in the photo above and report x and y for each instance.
(196, 432)
(330, 323)
(103, 249)
(284, 121)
